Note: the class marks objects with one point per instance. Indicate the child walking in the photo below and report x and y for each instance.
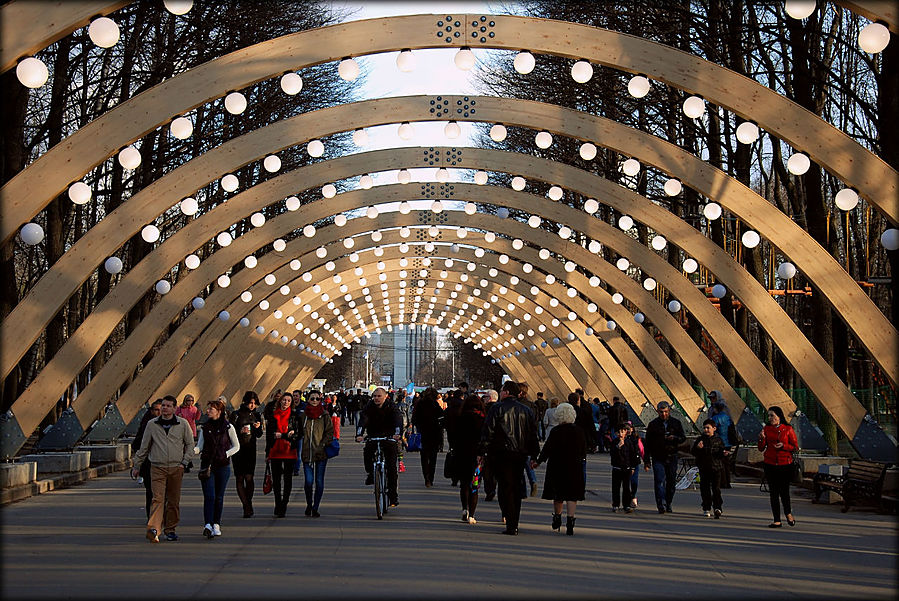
(709, 452)
(625, 458)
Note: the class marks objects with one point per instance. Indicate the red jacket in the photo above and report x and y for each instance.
(774, 434)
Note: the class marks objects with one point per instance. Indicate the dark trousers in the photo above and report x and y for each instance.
(621, 488)
(214, 494)
(282, 481)
(664, 473)
(468, 494)
(488, 479)
(509, 471)
(710, 489)
(314, 474)
(778, 477)
(243, 482)
(148, 484)
(389, 451)
(428, 454)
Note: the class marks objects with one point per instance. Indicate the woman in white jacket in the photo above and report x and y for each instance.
(217, 443)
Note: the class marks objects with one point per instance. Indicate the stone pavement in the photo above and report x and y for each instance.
(88, 542)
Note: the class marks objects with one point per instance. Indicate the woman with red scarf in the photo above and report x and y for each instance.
(318, 432)
(464, 437)
(778, 441)
(281, 436)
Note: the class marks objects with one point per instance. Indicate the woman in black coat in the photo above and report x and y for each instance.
(427, 416)
(248, 423)
(565, 450)
(464, 438)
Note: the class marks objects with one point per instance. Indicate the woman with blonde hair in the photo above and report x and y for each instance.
(565, 451)
(549, 419)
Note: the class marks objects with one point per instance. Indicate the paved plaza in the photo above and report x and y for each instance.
(87, 542)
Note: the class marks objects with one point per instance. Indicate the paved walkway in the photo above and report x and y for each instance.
(88, 542)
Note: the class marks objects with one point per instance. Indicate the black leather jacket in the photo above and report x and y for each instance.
(663, 438)
(380, 421)
(510, 427)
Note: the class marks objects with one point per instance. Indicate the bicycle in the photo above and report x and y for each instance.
(379, 475)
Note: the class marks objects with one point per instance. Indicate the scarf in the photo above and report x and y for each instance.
(314, 411)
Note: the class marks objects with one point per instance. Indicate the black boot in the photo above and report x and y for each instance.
(557, 521)
(569, 525)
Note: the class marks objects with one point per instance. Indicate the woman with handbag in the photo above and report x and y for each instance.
(464, 438)
(248, 424)
(778, 442)
(218, 442)
(282, 432)
(318, 434)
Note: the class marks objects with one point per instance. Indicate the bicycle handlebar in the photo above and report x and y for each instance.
(380, 438)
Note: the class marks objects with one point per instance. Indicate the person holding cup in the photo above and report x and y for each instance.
(248, 423)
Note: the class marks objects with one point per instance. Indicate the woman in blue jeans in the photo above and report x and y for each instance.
(318, 432)
(215, 446)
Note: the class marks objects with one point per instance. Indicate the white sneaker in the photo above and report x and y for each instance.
(471, 520)
(464, 515)
(207, 531)
(707, 513)
(216, 530)
(634, 502)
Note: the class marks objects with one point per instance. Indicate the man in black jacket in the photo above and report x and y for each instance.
(381, 418)
(509, 439)
(617, 414)
(663, 436)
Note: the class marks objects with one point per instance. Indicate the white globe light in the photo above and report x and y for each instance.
(581, 71)
(611, 325)
(80, 193)
(32, 72)
(534, 221)
(543, 139)
(799, 9)
(315, 148)
(622, 264)
(436, 206)
(638, 86)
(348, 69)
(198, 303)
(594, 246)
(279, 245)
(555, 193)
(874, 38)
(674, 306)
(489, 237)
(182, 128)
(371, 212)
(260, 330)
(694, 107)
(235, 103)
(403, 176)
(263, 304)
(104, 32)
(798, 164)
(846, 199)
(321, 252)
(163, 287)
(244, 322)
(570, 266)
(257, 219)
(786, 270)
(617, 298)
(113, 265)
(658, 242)
(712, 211)
(291, 83)
(524, 62)
(480, 178)
(150, 233)
(405, 232)
(309, 231)
(564, 232)
(673, 187)
(129, 157)
(230, 183)
(178, 7)
(250, 262)
(272, 163)
(189, 206)
(690, 265)
(406, 61)
(442, 175)
(284, 339)
(591, 206)
(461, 233)
(625, 222)
(366, 182)
(452, 130)
(527, 268)
(270, 279)
(470, 208)
(224, 315)
(594, 281)
(192, 261)
(718, 291)
(284, 290)
(376, 236)
(747, 132)
(518, 183)
(631, 167)
(517, 244)
(223, 281)
(750, 239)
(464, 59)
(639, 317)
(295, 265)
(588, 151)
(649, 284)
(31, 234)
(498, 132)
(224, 239)
(889, 239)
(405, 131)
(543, 254)
(340, 220)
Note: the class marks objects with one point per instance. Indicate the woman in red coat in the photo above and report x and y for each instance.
(778, 442)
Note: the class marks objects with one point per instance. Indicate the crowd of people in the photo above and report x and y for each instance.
(493, 446)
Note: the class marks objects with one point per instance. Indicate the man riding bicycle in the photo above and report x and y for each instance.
(381, 417)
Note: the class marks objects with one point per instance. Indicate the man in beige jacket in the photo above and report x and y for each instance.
(168, 443)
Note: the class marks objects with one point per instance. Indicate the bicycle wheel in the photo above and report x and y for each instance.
(379, 469)
(385, 504)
